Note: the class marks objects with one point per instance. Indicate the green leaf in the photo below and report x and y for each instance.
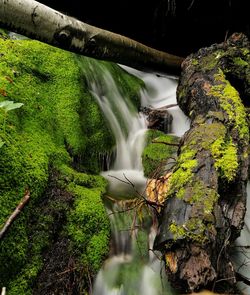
(9, 105)
(5, 103)
(13, 106)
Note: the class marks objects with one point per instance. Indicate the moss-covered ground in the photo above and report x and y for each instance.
(59, 128)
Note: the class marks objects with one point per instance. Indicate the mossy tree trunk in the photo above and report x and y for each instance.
(38, 21)
(206, 202)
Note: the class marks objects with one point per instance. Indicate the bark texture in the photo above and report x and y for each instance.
(38, 21)
(206, 201)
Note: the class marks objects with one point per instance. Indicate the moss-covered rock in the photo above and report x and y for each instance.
(59, 126)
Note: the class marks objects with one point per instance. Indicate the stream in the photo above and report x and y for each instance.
(132, 268)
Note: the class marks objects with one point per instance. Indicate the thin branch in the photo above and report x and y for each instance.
(15, 213)
(190, 6)
(168, 106)
(225, 279)
(166, 143)
(125, 210)
(152, 204)
(66, 271)
(242, 278)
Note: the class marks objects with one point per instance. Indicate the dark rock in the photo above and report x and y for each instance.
(158, 119)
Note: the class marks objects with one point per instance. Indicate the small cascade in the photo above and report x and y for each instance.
(130, 270)
(161, 92)
(128, 127)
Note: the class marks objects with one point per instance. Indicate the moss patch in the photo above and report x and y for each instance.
(59, 126)
(231, 103)
(183, 171)
(156, 155)
(226, 160)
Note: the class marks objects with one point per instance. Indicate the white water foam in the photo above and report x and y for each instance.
(124, 272)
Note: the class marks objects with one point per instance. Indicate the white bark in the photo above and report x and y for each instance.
(40, 22)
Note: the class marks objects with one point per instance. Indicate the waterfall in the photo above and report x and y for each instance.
(128, 270)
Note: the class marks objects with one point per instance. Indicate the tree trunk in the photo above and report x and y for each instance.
(38, 21)
(205, 204)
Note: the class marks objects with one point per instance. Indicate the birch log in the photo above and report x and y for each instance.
(40, 22)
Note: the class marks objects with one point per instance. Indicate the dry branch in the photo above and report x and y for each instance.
(13, 216)
(166, 143)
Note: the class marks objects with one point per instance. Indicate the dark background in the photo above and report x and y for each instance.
(175, 26)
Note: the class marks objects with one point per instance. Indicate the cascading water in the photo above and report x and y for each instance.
(128, 270)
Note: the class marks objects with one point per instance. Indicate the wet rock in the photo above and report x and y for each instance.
(158, 119)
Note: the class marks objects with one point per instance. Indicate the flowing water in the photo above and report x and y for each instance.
(132, 267)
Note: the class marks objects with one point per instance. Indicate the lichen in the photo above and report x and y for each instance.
(194, 229)
(230, 102)
(183, 172)
(225, 156)
(240, 62)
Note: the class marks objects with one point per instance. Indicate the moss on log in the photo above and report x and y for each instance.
(205, 205)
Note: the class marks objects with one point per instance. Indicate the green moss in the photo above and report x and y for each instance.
(183, 171)
(193, 230)
(209, 61)
(230, 102)
(69, 175)
(88, 226)
(156, 155)
(202, 198)
(60, 124)
(177, 231)
(240, 62)
(225, 156)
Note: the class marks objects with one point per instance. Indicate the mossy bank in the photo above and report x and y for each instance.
(51, 146)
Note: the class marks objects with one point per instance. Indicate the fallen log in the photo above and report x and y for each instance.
(40, 22)
(205, 203)
(15, 213)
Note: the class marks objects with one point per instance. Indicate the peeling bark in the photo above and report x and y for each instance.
(40, 22)
(206, 202)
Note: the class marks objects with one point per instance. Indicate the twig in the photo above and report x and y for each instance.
(66, 271)
(190, 6)
(169, 106)
(12, 217)
(166, 143)
(240, 277)
(125, 210)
